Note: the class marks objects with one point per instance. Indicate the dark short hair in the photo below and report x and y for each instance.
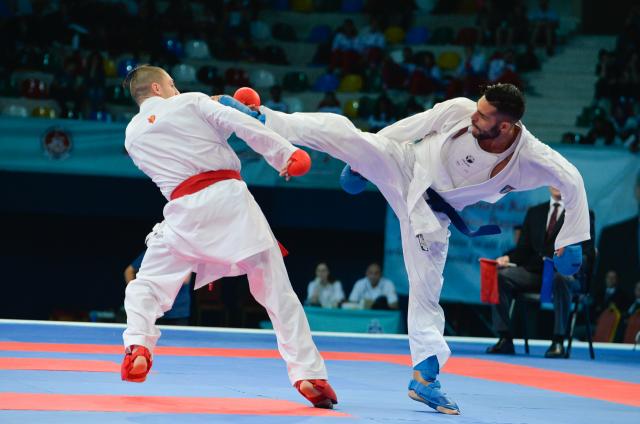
(507, 99)
(139, 80)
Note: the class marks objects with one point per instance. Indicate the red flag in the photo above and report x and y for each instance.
(489, 281)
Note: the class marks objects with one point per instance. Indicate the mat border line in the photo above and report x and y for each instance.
(455, 339)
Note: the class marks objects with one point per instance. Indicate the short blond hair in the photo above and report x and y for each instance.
(139, 81)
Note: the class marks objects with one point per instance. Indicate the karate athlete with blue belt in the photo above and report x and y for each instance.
(428, 166)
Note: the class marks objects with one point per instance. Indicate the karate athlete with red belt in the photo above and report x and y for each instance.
(212, 224)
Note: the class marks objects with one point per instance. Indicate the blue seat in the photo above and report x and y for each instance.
(326, 83)
(320, 34)
(417, 35)
(352, 6)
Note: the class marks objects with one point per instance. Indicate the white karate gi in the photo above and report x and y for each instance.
(403, 169)
(217, 231)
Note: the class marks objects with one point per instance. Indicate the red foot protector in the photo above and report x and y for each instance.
(247, 95)
(300, 163)
(136, 371)
(318, 392)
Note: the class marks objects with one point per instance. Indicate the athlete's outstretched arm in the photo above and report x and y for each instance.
(274, 148)
(550, 168)
(441, 118)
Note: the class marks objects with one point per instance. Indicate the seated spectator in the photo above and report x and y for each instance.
(611, 294)
(528, 60)
(344, 49)
(393, 74)
(383, 114)
(541, 226)
(491, 19)
(472, 72)
(324, 290)
(629, 81)
(619, 247)
(602, 132)
(544, 22)
(506, 70)
(408, 61)
(635, 306)
(371, 42)
(607, 73)
(374, 291)
(330, 103)
(275, 102)
(426, 78)
(516, 29)
(624, 124)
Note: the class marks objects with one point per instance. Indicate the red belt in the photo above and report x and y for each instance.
(201, 181)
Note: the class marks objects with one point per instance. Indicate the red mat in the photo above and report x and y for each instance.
(160, 404)
(55, 364)
(573, 384)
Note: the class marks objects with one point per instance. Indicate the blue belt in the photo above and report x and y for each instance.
(438, 204)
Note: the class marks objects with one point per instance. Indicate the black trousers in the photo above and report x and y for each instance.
(512, 281)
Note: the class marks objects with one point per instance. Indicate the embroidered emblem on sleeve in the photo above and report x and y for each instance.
(151, 119)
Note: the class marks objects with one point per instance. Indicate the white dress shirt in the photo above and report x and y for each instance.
(329, 295)
(363, 290)
(560, 210)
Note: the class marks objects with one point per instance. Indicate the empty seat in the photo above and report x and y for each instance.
(351, 108)
(283, 32)
(197, 49)
(295, 81)
(184, 73)
(260, 30)
(351, 83)
(394, 35)
(302, 5)
(125, 66)
(320, 34)
(417, 35)
(262, 78)
(442, 35)
(326, 82)
(352, 6)
(294, 103)
(448, 61)
(236, 77)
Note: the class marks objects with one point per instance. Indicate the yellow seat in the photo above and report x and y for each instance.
(394, 35)
(448, 61)
(110, 69)
(351, 108)
(302, 5)
(351, 83)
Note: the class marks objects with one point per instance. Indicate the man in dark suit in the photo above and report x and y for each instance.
(539, 230)
(619, 251)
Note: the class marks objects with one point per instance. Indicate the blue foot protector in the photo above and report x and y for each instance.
(231, 102)
(352, 182)
(431, 395)
(570, 261)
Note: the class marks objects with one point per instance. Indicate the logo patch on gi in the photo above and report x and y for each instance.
(507, 189)
(470, 159)
(56, 143)
(151, 119)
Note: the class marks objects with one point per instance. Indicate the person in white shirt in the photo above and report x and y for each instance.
(212, 225)
(374, 289)
(429, 165)
(324, 290)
